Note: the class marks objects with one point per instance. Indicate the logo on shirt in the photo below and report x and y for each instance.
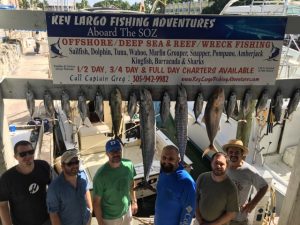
(187, 216)
(33, 188)
(189, 209)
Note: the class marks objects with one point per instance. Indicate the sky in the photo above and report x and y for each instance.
(131, 2)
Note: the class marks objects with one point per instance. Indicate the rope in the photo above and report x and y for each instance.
(270, 214)
(144, 221)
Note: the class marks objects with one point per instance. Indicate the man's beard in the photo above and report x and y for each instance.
(218, 172)
(72, 171)
(116, 159)
(169, 168)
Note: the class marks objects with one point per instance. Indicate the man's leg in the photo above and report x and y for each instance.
(90, 220)
(37, 47)
(113, 222)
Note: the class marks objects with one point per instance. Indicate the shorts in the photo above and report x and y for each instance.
(124, 220)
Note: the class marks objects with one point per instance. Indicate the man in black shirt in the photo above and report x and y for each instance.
(23, 189)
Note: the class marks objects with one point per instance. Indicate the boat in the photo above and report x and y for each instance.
(262, 7)
(290, 54)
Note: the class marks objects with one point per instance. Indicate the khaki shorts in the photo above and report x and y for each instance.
(124, 220)
(90, 220)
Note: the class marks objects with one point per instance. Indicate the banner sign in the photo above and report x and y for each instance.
(141, 49)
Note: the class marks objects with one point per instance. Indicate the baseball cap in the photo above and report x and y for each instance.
(113, 145)
(68, 156)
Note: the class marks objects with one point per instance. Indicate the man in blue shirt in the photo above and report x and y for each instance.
(175, 200)
(68, 198)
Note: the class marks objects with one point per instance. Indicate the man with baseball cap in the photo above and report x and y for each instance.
(68, 198)
(244, 176)
(114, 199)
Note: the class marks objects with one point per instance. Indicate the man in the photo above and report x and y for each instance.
(23, 189)
(244, 176)
(37, 39)
(114, 197)
(68, 199)
(175, 200)
(217, 199)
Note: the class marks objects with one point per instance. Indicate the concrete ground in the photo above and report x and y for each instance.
(31, 65)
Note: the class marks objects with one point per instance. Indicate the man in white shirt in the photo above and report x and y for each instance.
(245, 177)
(38, 39)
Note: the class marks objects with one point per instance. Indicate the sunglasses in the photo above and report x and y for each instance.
(23, 154)
(72, 163)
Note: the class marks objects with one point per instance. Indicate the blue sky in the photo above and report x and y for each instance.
(92, 2)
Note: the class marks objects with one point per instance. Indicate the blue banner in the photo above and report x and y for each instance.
(143, 26)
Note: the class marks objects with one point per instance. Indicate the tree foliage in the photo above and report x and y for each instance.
(25, 4)
(215, 8)
(42, 5)
(136, 6)
(148, 5)
(243, 2)
(117, 3)
(83, 4)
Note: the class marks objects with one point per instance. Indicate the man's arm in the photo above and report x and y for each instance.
(198, 214)
(188, 200)
(53, 173)
(55, 220)
(88, 200)
(248, 207)
(5, 213)
(97, 209)
(197, 208)
(134, 205)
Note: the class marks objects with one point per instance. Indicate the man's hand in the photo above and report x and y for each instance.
(247, 208)
(134, 207)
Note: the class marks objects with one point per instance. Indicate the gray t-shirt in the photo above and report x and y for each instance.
(215, 198)
(245, 177)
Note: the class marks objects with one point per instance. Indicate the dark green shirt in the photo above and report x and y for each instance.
(215, 198)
